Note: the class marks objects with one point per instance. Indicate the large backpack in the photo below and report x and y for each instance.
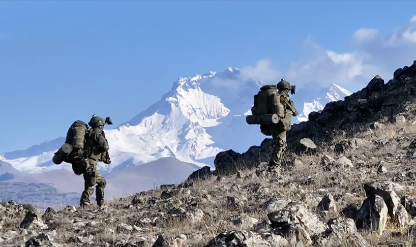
(262, 110)
(263, 100)
(76, 135)
(74, 141)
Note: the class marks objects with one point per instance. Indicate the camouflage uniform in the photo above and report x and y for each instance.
(96, 144)
(285, 109)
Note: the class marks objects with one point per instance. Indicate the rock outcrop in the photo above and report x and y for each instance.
(392, 101)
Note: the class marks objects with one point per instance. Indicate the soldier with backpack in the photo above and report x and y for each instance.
(95, 146)
(273, 111)
(84, 148)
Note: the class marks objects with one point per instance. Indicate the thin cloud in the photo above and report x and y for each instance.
(225, 83)
(240, 80)
(263, 71)
(364, 35)
(371, 54)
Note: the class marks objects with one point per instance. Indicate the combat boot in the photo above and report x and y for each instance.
(84, 204)
(100, 203)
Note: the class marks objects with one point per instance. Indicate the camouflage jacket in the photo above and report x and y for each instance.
(96, 144)
(284, 106)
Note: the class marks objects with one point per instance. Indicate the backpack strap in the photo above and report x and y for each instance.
(289, 104)
(277, 106)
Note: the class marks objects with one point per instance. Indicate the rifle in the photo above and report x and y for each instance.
(105, 156)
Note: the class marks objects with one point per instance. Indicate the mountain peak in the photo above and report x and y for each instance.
(343, 90)
(191, 79)
(231, 69)
(337, 93)
(308, 96)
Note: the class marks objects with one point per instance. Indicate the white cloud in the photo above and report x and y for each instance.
(264, 71)
(371, 54)
(410, 36)
(364, 34)
(327, 67)
(240, 81)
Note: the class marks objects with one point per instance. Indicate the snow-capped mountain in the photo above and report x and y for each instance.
(314, 98)
(199, 117)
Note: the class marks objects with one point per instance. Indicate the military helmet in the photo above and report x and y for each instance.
(96, 121)
(283, 84)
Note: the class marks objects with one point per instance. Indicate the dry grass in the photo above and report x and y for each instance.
(234, 196)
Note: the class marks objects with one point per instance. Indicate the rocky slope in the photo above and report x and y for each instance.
(354, 188)
(313, 200)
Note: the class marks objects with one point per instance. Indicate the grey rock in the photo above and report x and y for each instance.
(382, 169)
(373, 214)
(308, 143)
(327, 205)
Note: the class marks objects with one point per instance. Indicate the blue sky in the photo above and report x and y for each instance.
(62, 61)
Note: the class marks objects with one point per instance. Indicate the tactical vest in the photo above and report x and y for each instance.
(91, 147)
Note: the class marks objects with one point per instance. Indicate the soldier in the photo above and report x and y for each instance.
(96, 146)
(283, 106)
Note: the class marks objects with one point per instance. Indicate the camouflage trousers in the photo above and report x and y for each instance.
(279, 147)
(93, 179)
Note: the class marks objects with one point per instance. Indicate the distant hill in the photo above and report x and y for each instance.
(65, 187)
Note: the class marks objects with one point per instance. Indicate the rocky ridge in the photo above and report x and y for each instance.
(378, 101)
(349, 182)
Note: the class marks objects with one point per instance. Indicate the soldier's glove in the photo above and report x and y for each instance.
(106, 160)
